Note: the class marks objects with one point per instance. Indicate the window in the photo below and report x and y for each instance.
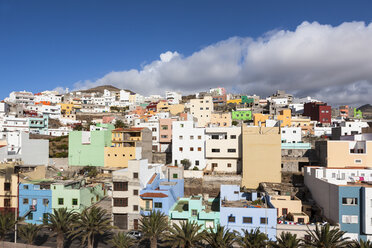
(60, 201)
(349, 201)
(358, 161)
(196, 162)
(181, 137)
(229, 165)
(231, 219)
(192, 137)
(214, 165)
(284, 211)
(25, 186)
(158, 205)
(199, 137)
(175, 176)
(45, 202)
(231, 150)
(153, 129)
(247, 220)
(301, 220)
(120, 186)
(263, 221)
(191, 149)
(199, 149)
(7, 186)
(182, 125)
(135, 207)
(74, 202)
(25, 201)
(232, 136)
(180, 149)
(45, 218)
(120, 202)
(164, 127)
(153, 137)
(135, 174)
(283, 131)
(194, 212)
(30, 216)
(350, 219)
(215, 136)
(215, 150)
(135, 192)
(164, 136)
(6, 202)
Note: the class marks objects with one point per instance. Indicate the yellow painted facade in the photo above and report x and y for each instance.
(288, 204)
(162, 106)
(221, 119)
(339, 155)
(234, 101)
(261, 151)
(8, 189)
(260, 119)
(285, 116)
(175, 109)
(68, 111)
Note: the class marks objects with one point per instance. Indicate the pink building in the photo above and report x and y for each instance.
(165, 134)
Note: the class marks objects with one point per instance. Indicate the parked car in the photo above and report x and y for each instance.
(135, 234)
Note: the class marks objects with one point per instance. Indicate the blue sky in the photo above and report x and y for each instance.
(45, 44)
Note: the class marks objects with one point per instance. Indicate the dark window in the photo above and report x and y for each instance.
(247, 220)
(301, 220)
(74, 201)
(214, 165)
(232, 136)
(263, 220)
(196, 162)
(45, 202)
(25, 186)
(135, 175)
(231, 150)
(228, 165)
(45, 218)
(215, 150)
(175, 176)
(231, 219)
(60, 201)
(6, 202)
(30, 216)
(349, 201)
(215, 136)
(158, 205)
(135, 192)
(284, 211)
(194, 212)
(25, 201)
(7, 186)
(120, 186)
(135, 207)
(120, 202)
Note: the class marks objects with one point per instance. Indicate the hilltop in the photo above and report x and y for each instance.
(100, 89)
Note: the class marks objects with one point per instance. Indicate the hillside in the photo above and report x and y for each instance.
(100, 89)
(366, 110)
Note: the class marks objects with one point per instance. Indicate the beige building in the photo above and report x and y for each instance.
(202, 110)
(289, 206)
(221, 119)
(8, 189)
(261, 155)
(175, 109)
(223, 149)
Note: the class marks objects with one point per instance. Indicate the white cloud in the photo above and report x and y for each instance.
(330, 63)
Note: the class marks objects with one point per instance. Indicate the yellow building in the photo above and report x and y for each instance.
(261, 155)
(162, 106)
(221, 119)
(131, 143)
(68, 111)
(260, 119)
(285, 117)
(8, 189)
(234, 101)
(289, 206)
(304, 123)
(175, 109)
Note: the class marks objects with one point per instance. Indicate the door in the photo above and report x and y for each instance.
(135, 224)
(121, 221)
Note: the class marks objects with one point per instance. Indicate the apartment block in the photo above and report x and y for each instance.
(261, 155)
(165, 135)
(8, 189)
(289, 206)
(223, 149)
(222, 119)
(318, 111)
(202, 110)
(188, 143)
(154, 127)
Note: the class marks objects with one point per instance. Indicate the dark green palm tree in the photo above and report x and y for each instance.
(7, 224)
(221, 238)
(91, 223)
(186, 235)
(60, 223)
(29, 232)
(325, 237)
(253, 239)
(361, 244)
(122, 240)
(286, 240)
(153, 227)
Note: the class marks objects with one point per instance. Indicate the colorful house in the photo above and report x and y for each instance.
(285, 117)
(358, 113)
(39, 125)
(247, 100)
(192, 209)
(35, 202)
(244, 115)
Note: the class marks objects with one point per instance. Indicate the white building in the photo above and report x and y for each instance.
(346, 128)
(154, 127)
(322, 131)
(223, 149)
(53, 111)
(173, 97)
(22, 97)
(48, 96)
(291, 135)
(188, 142)
(11, 123)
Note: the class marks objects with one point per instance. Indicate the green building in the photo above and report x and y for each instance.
(87, 148)
(192, 209)
(243, 115)
(358, 113)
(246, 100)
(76, 195)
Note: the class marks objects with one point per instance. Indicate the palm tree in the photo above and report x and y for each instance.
(91, 223)
(324, 237)
(154, 226)
(29, 232)
(221, 238)
(361, 244)
(286, 240)
(60, 222)
(7, 223)
(187, 235)
(253, 239)
(122, 240)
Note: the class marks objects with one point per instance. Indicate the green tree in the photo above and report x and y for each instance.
(60, 223)
(7, 224)
(153, 227)
(253, 239)
(221, 238)
(361, 244)
(234, 123)
(91, 223)
(325, 237)
(29, 232)
(286, 240)
(186, 163)
(120, 124)
(186, 235)
(122, 240)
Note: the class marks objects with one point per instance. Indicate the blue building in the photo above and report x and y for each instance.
(161, 194)
(39, 125)
(247, 211)
(35, 202)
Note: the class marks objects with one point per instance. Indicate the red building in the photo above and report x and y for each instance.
(318, 111)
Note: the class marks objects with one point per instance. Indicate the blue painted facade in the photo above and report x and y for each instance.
(169, 191)
(232, 215)
(35, 201)
(39, 125)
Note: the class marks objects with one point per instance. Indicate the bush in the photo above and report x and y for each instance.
(186, 163)
(195, 168)
(61, 155)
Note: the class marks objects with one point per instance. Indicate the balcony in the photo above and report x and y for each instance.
(33, 208)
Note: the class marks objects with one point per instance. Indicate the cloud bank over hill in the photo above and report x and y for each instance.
(333, 64)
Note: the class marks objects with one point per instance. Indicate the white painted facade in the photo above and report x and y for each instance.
(320, 131)
(22, 97)
(173, 97)
(11, 123)
(291, 135)
(188, 142)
